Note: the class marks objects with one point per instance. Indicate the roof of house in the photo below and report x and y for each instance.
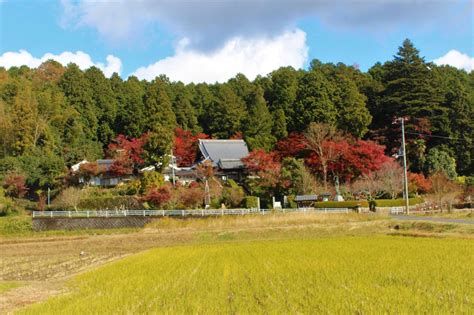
(229, 164)
(306, 198)
(227, 153)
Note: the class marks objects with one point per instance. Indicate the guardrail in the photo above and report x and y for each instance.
(173, 213)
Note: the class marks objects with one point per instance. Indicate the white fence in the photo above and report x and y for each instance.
(174, 213)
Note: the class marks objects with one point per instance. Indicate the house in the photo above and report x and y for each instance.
(226, 157)
(103, 176)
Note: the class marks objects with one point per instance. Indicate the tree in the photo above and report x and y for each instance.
(15, 185)
(265, 170)
(158, 196)
(258, 125)
(105, 103)
(78, 93)
(226, 113)
(418, 183)
(185, 146)
(320, 139)
(313, 102)
(389, 178)
(444, 191)
(161, 124)
(296, 177)
(411, 91)
(439, 160)
(185, 115)
(158, 107)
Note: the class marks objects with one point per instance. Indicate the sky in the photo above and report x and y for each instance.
(212, 40)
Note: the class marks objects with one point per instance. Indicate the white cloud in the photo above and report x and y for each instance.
(238, 55)
(456, 59)
(81, 59)
(209, 24)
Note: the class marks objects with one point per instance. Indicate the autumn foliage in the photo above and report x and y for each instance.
(186, 146)
(15, 185)
(158, 196)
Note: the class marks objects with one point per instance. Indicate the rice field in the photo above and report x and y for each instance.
(344, 274)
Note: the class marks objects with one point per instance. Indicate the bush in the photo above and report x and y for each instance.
(110, 203)
(396, 202)
(232, 197)
(250, 202)
(151, 180)
(15, 225)
(68, 199)
(342, 204)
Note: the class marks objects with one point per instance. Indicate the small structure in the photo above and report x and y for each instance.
(306, 201)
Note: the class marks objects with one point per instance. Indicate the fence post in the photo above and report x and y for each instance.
(143, 212)
(163, 212)
(51, 214)
(202, 213)
(87, 213)
(182, 213)
(222, 211)
(69, 213)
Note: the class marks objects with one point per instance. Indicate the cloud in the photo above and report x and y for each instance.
(81, 59)
(208, 24)
(456, 59)
(238, 55)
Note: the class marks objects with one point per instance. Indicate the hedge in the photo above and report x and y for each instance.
(342, 204)
(250, 202)
(396, 202)
(110, 203)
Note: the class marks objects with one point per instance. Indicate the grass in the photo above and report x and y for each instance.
(16, 226)
(345, 274)
(8, 285)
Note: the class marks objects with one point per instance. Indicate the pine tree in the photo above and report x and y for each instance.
(279, 124)
(226, 113)
(259, 122)
(158, 107)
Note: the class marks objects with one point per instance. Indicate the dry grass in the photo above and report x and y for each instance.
(48, 259)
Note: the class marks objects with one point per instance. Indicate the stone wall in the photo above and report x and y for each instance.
(43, 224)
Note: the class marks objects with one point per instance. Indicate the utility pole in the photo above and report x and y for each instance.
(172, 168)
(405, 177)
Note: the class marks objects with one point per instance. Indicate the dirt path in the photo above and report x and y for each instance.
(31, 293)
(433, 219)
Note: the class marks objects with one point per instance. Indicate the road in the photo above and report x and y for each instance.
(433, 219)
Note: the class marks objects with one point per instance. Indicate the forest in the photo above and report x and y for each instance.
(53, 116)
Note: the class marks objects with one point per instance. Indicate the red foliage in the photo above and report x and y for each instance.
(192, 197)
(15, 185)
(419, 183)
(238, 135)
(87, 170)
(122, 166)
(265, 165)
(158, 196)
(351, 160)
(292, 146)
(185, 146)
(130, 149)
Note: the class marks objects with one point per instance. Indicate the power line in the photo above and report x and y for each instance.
(435, 136)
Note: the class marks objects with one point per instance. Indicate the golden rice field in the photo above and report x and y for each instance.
(345, 274)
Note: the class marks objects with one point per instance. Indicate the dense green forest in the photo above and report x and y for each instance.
(54, 116)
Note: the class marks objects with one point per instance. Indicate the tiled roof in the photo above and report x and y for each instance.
(226, 151)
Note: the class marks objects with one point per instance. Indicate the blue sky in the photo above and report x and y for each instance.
(212, 41)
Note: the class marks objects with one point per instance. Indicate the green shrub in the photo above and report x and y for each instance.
(15, 225)
(110, 203)
(151, 179)
(342, 204)
(250, 202)
(396, 202)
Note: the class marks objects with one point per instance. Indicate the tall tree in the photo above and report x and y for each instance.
(226, 113)
(258, 125)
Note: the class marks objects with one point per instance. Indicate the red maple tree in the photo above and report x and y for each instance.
(15, 185)
(186, 146)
